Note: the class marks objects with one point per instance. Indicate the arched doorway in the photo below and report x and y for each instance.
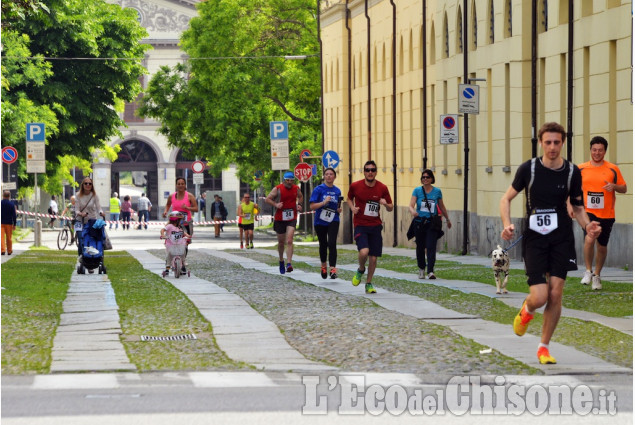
(135, 172)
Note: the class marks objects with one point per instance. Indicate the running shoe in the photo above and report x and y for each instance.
(544, 357)
(596, 283)
(586, 279)
(241, 245)
(422, 274)
(251, 245)
(358, 277)
(282, 269)
(323, 272)
(431, 275)
(289, 268)
(370, 289)
(521, 322)
(333, 273)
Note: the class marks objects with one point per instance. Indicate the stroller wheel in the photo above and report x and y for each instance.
(81, 269)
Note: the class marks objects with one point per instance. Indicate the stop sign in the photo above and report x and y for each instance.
(303, 172)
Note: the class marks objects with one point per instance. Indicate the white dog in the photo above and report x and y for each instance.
(500, 265)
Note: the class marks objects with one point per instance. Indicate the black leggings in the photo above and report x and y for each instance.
(327, 236)
(426, 246)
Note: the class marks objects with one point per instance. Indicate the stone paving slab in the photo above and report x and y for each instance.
(88, 336)
(261, 343)
(497, 336)
(513, 299)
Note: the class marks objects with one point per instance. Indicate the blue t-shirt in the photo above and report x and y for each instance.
(328, 213)
(433, 201)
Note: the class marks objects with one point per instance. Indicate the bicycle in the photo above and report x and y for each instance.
(177, 252)
(63, 235)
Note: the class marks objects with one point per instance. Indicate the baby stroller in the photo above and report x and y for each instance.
(92, 244)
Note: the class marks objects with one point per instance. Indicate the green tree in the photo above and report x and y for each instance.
(218, 105)
(92, 52)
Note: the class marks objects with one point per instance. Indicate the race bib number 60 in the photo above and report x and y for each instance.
(595, 200)
(543, 221)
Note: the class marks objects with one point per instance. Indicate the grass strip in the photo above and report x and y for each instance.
(34, 287)
(589, 337)
(614, 300)
(150, 305)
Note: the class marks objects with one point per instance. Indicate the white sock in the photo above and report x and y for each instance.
(543, 345)
(531, 313)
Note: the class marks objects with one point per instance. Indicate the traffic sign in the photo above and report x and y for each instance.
(198, 178)
(304, 153)
(258, 175)
(278, 130)
(35, 132)
(330, 159)
(449, 129)
(468, 98)
(35, 151)
(198, 167)
(303, 172)
(9, 155)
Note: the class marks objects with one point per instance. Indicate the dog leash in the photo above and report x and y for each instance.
(513, 244)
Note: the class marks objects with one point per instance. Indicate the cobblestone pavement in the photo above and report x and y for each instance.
(350, 332)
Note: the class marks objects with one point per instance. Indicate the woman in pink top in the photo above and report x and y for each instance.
(184, 202)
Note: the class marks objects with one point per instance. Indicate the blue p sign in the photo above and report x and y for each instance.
(279, 130)
(35, 132)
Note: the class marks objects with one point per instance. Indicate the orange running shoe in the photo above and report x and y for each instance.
(544, 357)
(521, 322)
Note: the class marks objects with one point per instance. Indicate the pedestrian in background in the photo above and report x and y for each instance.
(425, 205)
(286, 198)
(365, 197)
(548, 242)
(217, 211)
(224, 214)
(600, 180)
(126, 212)
(8, 222)
(115, 209)
(326, 202)
(87, 207)
(144, 206)
(201, 205)
(53, 210)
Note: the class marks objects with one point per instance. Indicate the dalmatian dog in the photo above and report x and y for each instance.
(500, 265)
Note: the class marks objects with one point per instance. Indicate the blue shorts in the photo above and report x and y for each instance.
(369, 237)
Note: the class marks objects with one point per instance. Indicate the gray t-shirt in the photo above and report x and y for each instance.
(144, 203)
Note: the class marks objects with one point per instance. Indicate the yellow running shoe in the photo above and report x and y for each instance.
(544, 357)
(521, 322)
(358, 277)
(370, 289)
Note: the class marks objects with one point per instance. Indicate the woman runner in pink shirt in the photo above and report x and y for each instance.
(182, 201)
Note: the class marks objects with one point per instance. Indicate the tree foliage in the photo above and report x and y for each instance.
(67, 63)
(218, 105)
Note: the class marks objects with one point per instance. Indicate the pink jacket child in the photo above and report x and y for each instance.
(175, 240)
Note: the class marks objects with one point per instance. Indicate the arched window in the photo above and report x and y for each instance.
(474, 27)
(508, 18)
(446, 37)
(410, 54)
(491, 22)
(459, 31)
(432, 55)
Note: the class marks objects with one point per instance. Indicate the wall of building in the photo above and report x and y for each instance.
(500, 135)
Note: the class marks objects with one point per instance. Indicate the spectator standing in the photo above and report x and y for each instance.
(8, 222)
(201, 205)
(548, 242)
(425, 205)
(286, 198)
(53, 210)
(326, 202)
(144, 206)
(365, 197)
(126, 212)
(217, 212)
(115, 209)
(600, 181)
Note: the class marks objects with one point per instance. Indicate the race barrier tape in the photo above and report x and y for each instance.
(149, 223)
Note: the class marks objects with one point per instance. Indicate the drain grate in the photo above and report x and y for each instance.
(185, 337)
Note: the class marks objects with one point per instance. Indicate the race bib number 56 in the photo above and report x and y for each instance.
(543, 221)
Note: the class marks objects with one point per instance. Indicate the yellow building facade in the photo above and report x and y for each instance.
(411, 68)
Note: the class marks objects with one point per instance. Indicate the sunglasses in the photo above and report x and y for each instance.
(88, 184)
(370, 170)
